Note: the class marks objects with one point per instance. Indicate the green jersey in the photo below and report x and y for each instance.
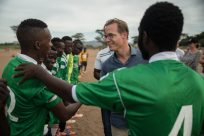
(75, 71)
(29, 103)
(69, 66)
(158, 99)
(60, 69)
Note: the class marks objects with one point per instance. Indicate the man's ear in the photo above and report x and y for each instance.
(148, 43)
(125, 35)
(145, 38)
(37, 45)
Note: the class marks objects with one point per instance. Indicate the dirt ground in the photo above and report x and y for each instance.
(88, 125)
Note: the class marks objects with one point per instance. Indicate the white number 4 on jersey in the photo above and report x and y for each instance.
(185, 116)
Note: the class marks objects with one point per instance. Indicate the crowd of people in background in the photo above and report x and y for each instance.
(65, 61)
(131, 101)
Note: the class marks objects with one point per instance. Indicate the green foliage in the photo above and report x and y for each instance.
(184, 42)
(78, 36)
(99, 38)
(135, 39)
(9, 45)
(14, 28)
(199, 37)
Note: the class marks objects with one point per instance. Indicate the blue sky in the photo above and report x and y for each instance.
(67, 17)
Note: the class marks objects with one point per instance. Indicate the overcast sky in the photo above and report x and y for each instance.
(67, 17)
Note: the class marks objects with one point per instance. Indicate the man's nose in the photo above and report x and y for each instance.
(106, 39)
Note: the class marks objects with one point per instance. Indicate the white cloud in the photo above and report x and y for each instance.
(67, 17)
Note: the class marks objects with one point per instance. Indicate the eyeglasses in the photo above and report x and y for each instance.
(109, 36)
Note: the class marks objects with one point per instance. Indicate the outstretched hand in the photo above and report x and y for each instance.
(4, 92)
(27, 71)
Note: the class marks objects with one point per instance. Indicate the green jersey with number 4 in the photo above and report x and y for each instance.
(28, 104)
(158, 99)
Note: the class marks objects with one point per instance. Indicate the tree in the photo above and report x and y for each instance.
(200, 38)
(135, 39)
(78, 36)
(14, 28)
(99, 38)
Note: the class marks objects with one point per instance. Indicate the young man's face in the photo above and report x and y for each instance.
(77, 49)
(44, 44)
(113, 38)
(60, 46)
(68, 46)
(192, 45)
(50, 59)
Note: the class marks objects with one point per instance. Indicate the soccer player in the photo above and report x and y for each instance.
(60, 67)
(77, 48)
(84, 58)
(29, 103)
(68, 50)
(4, 93)
(50, 59)
(161, 98)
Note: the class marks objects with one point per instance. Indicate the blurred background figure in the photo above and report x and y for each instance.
(84, 59)
(77, 48)
(4, 93)
(68, 51)
(192, 57)
(51, 58)
(179, 52)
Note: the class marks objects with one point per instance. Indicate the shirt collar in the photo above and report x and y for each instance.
(167, 55)
(29, 59)
(133, 50)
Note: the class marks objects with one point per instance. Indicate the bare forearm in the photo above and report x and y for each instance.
(56, 85)
(73, 108)
(4, 127)
(65, 113)
(97, 74)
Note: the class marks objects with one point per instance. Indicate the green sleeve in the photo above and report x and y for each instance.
(102, 94)
(46, 98)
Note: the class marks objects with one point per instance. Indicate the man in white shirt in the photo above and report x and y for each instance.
(101, 57)
(179, 52)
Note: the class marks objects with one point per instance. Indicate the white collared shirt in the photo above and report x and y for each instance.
(167, 55)
(29, 59)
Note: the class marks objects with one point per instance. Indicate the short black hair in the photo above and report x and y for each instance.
(66, 38)
(77, 41)
(163, 23)
(53, 48)
(28, 30)
(193, 40)
(78, 44)
(56, 39)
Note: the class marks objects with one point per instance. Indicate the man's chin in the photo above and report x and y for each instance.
(111, 48)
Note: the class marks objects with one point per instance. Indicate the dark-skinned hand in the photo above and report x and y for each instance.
(4, 93)
(27, 71)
